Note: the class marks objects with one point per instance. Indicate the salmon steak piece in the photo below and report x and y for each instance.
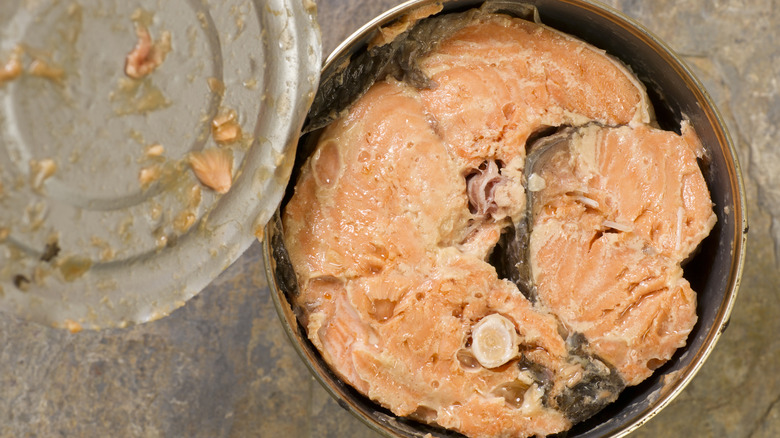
(498, 253)
(620, 210)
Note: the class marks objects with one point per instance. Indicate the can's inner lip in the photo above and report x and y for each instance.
(715, 273)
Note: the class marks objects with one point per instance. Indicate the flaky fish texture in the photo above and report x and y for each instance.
(397, 214)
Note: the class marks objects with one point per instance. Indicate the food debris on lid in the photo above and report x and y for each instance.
(40, 171)
(146, 56)
(12, 68)
(154, 150)
(148, 175)
(214, 168)
(44, 69)
(225, 127)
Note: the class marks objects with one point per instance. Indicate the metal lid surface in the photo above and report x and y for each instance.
(103, 220)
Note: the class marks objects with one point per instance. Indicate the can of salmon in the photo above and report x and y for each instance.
(599, 404)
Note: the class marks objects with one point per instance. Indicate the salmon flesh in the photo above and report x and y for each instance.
(497, 249)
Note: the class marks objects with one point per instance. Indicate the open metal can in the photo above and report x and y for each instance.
(714, 272)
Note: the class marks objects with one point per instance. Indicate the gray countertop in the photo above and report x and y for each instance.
(222, 367)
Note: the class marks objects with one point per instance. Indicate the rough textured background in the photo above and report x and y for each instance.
(221, 366)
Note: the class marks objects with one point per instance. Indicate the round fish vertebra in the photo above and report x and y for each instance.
(494, 341)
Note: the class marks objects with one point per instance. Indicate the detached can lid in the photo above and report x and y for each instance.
(142, 150)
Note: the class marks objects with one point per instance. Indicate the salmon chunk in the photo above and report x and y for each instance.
(400, 213)
(501, 79)
(621, 209)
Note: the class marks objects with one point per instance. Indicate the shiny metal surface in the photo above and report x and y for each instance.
(122, 251)
(715, 273)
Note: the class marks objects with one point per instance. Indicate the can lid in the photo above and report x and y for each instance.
(142, 150)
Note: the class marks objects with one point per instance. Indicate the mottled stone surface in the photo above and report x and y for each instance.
(222, 367)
